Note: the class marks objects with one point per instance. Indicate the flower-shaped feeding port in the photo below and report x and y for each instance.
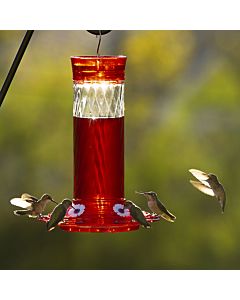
(120, 210)
(76, 210)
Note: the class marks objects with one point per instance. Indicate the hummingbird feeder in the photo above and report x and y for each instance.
(98, 118)
(98, 123)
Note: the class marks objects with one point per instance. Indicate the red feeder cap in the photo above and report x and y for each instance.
(98, 68)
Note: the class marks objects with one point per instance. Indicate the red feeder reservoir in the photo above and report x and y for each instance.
(98, 119)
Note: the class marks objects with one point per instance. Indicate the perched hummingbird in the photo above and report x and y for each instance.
(209, 184)
(157, 207)
(58, 214)
(33, 206)
(136, 213)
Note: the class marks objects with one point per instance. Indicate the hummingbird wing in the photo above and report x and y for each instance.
(138, 216)
(200, 175)
(164, 213)
(20, 203)
(57, 216)
(29, 198)
(202, 187)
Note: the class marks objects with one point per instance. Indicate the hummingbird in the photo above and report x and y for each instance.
(33, 206)
(209, 184)
(156, 206)
(136, 213)
(58, 214)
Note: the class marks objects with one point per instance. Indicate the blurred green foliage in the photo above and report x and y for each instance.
(182, 98)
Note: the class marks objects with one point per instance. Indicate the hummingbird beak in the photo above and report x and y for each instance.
(54, 201)
(140, 193)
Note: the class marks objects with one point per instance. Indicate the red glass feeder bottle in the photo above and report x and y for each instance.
(98, 119)
(98, 122)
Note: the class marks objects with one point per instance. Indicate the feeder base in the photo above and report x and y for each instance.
(75, 225)
(111, 228)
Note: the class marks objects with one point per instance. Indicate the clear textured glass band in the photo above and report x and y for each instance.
(98, 100)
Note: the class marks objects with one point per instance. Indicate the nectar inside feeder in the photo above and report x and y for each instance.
(98, 116)
(98, 122)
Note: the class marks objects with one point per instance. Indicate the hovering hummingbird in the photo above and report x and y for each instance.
(209, 184)
(136, 213)
(33, 206)
(157, 207)
(58, 214)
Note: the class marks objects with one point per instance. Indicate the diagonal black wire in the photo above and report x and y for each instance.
(15, 65)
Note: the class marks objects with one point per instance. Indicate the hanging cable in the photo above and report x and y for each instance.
(15, 65)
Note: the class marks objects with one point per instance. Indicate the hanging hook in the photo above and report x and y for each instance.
(99, 42)
(98, 33)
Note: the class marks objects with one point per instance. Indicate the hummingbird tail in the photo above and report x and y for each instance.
(148, 225)
(168, 217)
(50, 227)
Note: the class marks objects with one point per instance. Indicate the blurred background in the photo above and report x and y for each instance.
(182, 98)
